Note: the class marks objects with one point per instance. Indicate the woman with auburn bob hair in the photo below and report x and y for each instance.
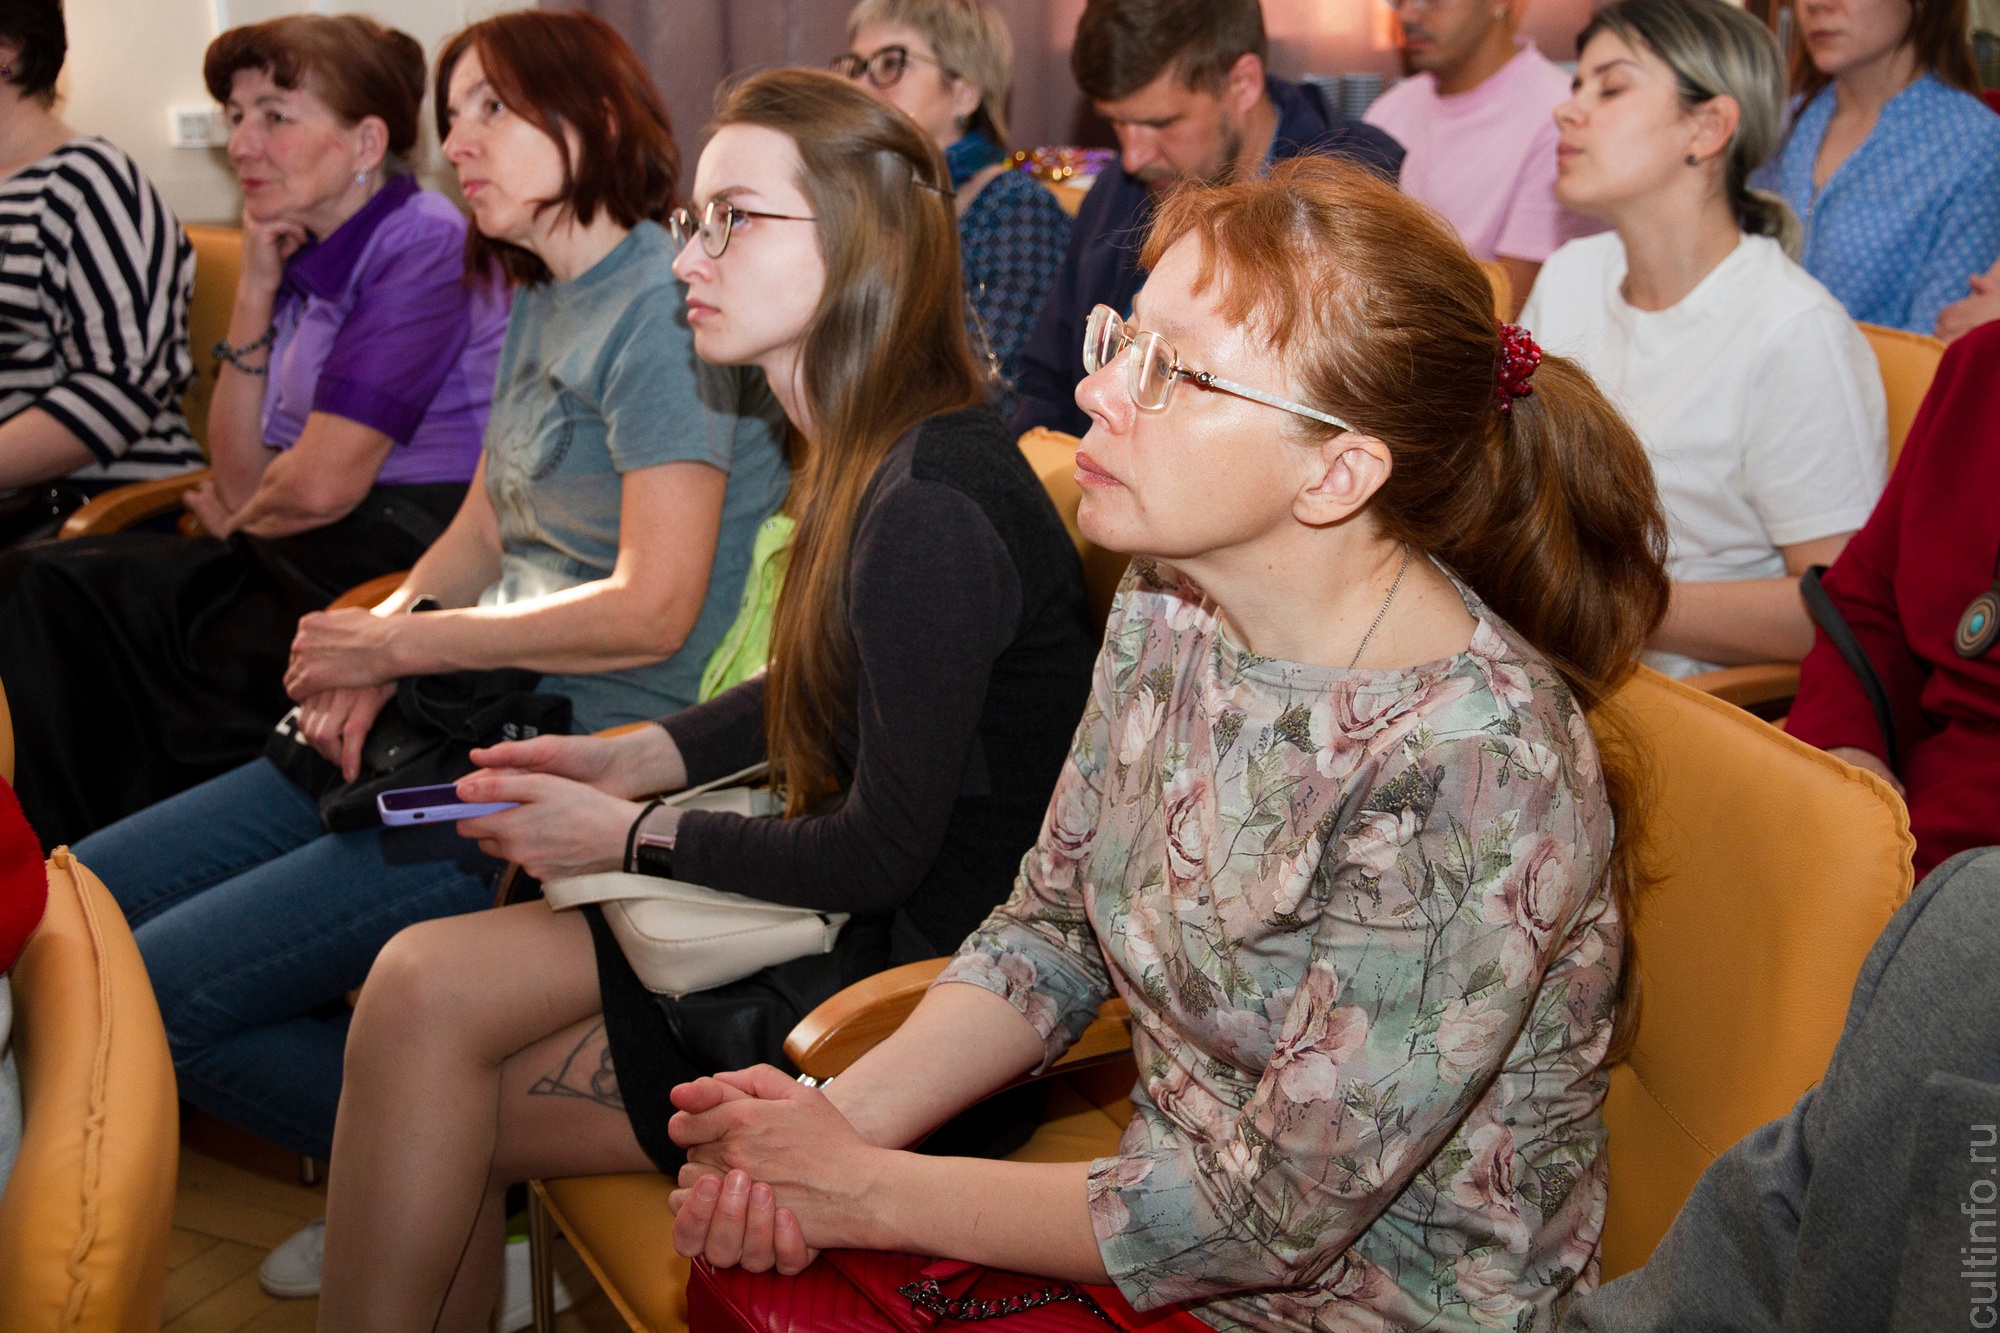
(601, 545)
(929, 659)
(1335, 824)
(352, 390)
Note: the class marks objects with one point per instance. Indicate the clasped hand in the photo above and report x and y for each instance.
(775, 1173)
(348, 649)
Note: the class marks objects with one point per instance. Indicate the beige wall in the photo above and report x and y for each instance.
(132, 60)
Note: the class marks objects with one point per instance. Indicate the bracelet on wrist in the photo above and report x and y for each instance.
(222, 351)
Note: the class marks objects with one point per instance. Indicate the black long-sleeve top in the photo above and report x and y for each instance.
(972, 660)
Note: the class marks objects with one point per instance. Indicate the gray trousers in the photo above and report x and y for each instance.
(1876, 1203)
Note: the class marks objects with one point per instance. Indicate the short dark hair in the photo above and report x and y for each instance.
(572, 71)
(355, 65)
(38, 26)
(1123, 45)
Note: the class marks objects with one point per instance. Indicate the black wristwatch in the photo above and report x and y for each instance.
(653, 853)
(650, 852)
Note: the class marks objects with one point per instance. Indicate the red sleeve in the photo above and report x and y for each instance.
(24, 880)
(1832, 708)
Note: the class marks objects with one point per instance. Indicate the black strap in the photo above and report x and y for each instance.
(1827, 616)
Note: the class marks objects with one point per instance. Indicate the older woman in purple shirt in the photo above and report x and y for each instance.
(356, 379)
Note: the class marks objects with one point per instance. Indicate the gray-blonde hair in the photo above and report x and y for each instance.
(971, 41)
(1717, 50)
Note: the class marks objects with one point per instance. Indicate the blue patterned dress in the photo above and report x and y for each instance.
(1011, 241)
(1912, 213)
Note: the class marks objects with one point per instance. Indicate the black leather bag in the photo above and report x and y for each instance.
(425, 736)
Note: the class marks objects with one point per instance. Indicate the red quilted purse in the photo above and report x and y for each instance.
(863, 1291)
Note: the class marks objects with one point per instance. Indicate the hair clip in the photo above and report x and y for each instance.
(1518, 358)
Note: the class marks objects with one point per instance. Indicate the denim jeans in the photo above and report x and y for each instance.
(254, 922)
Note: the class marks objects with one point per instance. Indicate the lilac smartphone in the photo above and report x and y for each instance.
(432, 805)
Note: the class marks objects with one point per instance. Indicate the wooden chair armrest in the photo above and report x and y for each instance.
(367, 596)
(1750, 687)
(850, 1024)
(114, 511)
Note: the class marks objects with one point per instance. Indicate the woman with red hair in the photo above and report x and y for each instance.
(1335, 825)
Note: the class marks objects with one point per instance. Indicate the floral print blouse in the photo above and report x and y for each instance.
(1363, 924)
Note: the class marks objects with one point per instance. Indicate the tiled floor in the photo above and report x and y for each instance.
(227, 1217)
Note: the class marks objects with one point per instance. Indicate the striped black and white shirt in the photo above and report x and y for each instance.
(95, 276)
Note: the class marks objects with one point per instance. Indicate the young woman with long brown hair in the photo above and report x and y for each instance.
(1335, 826)
(929, 660)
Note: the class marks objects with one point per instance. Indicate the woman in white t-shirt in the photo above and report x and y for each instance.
(1755, 394)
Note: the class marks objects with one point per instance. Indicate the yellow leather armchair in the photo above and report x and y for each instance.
(86, 1217)
(1776, 864)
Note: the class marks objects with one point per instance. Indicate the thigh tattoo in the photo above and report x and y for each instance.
(582, 1075)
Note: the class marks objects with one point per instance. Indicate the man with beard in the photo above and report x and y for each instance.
(1183, 84)
(1477, 115)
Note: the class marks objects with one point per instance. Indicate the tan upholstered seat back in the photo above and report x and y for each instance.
(218, 262)
(1052, 455)
(1909, 363)
(86, 1216)
(1777, 867)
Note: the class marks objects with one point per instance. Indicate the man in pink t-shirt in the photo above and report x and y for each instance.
(1476, 117)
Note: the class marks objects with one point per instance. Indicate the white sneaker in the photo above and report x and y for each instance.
(517, 1306)
(292, 1270)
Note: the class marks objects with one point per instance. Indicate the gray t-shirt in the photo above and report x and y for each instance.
(599, 378)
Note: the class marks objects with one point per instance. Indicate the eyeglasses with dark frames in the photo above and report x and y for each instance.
(1152, 368)
(719, 220)
(883, 68)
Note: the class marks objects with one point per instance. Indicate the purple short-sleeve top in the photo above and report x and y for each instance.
(378, 323)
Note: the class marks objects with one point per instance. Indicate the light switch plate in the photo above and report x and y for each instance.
(198, 127)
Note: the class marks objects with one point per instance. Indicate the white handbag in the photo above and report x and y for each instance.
(682, 937)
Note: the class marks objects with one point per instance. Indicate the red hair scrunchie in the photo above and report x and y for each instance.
(1519, 355)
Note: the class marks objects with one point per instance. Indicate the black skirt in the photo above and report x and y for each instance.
(140, 664)
(657, 1041)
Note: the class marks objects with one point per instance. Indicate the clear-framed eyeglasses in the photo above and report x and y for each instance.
(1152, 367)
(718, 220)
(883, 68)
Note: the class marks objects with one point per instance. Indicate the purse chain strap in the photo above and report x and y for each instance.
(926, 1294)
